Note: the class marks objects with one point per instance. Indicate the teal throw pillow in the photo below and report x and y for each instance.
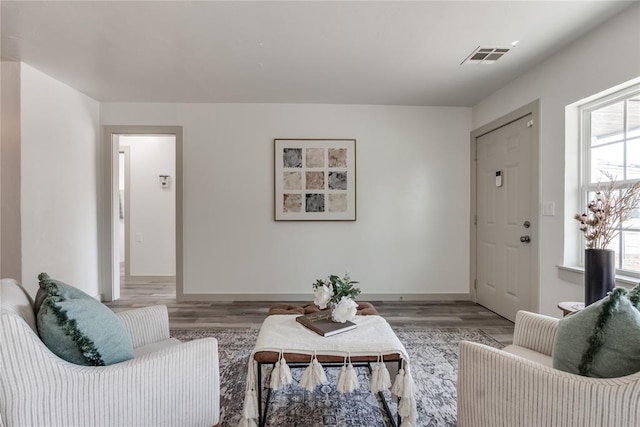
(603, 339)
(79, 328)
(49, 286)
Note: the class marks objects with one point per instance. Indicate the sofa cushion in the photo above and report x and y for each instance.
(602, 340)
(15, 300)
(78, 328)
(529, 354)
(155, 346)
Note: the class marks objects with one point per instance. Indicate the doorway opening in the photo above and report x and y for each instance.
(142, 209)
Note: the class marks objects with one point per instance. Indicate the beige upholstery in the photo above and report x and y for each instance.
(513, 388)
(168, 383)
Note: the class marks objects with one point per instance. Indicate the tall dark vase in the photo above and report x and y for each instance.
(599, 274)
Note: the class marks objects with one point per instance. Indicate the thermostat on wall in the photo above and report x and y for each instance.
(498, 178)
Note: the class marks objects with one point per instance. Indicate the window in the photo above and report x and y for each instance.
(610, 140)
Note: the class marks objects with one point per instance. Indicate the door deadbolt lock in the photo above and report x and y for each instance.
(525, 239)
(526, 224)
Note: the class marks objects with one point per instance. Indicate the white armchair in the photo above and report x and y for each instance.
(517, 386)
(167, 383)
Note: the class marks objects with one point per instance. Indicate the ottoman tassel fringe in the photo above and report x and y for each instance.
(342, 376)
(281, 374)
(403, 388)
(318, 371)
(384, 381)
(250, 409)
(347, 382)
(380, 378)
(348, 378)
(314, 375)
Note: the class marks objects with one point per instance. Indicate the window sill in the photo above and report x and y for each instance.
(575, 274)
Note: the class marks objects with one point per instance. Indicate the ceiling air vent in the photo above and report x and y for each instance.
(486, 55)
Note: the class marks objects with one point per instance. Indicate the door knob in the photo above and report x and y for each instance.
(525, 239)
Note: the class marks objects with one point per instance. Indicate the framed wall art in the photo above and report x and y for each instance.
(315, 179)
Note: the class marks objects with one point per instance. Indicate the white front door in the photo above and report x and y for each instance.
(503, 249)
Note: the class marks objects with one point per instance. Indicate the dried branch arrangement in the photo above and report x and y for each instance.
(607, 211)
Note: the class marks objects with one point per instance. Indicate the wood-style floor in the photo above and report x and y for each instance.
(243, 314)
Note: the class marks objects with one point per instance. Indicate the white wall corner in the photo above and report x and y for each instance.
(59, 143)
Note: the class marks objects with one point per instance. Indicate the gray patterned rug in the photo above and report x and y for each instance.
(434, 358)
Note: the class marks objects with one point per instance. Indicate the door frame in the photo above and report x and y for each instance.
(533, 109)
(127, 225)
(109, 233)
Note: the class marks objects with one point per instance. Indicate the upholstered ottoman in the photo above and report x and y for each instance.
(364, 309)
(371, 342)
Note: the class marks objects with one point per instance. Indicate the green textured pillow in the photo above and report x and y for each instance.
(602, 340)
(79, 328)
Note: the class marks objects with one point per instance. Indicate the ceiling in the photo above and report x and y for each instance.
(357, 52)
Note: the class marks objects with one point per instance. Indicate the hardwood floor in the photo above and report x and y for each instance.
(249, 315)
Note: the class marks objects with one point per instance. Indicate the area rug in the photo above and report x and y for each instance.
(434, 360)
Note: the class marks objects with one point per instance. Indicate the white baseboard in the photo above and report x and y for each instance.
(227, 297)
(151, 279)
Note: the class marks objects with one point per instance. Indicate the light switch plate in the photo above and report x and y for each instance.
(548, 208)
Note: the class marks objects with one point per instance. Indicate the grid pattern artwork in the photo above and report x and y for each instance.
(315, 179)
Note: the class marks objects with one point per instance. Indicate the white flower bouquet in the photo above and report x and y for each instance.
(606, 213)
(339, 294)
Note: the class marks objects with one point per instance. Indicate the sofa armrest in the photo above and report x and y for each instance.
(176, 386)
(535, 332)
(496, 388)
(146, 325)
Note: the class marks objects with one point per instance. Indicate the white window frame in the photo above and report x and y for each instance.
(586, 186)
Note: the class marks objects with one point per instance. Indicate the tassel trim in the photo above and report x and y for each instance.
(380, 379)
(313, 375)
(347, 382)
(281, 373)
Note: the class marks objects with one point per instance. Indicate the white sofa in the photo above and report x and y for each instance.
(167, 383)
(518, 387)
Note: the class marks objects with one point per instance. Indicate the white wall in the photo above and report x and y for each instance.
(411, 235)
(60, 128)
(10, 239)
(605, 57)
(152, 240)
